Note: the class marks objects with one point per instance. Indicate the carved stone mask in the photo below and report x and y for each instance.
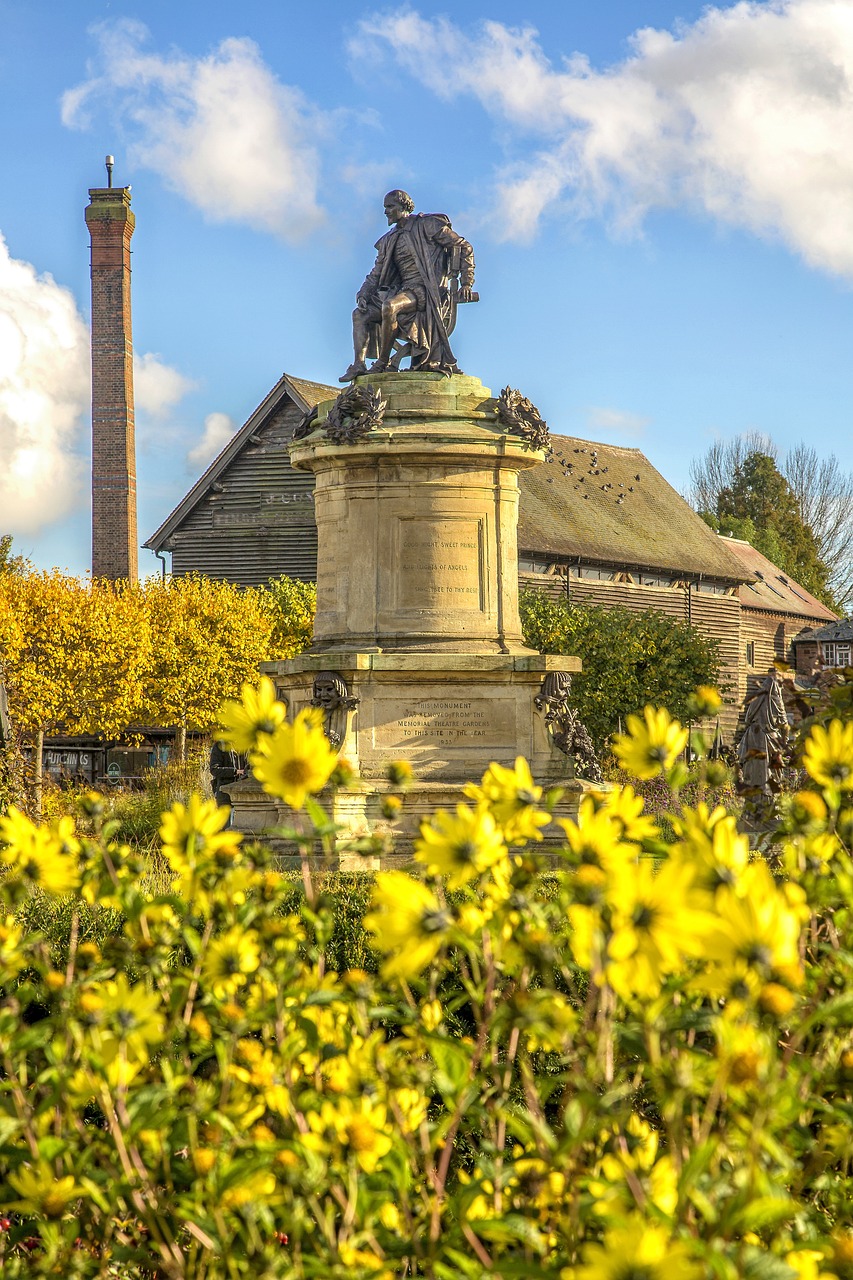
(329, 690)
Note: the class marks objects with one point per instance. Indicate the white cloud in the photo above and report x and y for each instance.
(218, 430)
(603, 419)
(220, 130)
(157, 387)
(745, 115)
(44, 390)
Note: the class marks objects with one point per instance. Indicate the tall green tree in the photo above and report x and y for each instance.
(721, 481)
(760, 506)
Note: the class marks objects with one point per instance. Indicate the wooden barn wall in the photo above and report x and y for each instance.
(262, 523)
(716, 616)
(771, 633)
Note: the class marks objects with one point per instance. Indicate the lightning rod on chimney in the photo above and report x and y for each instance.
(109, 161)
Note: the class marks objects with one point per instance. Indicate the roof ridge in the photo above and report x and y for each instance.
(604, 444)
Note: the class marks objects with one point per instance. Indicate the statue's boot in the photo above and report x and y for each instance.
(355, 370)
(379, 366)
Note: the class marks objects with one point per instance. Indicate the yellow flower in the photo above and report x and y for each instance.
(408, 923)
(806, 1263)
(399, 773)
(431, 1014)
(133, 1014)
(412, 1106)
(204, 1158)
(663, 1184)
(776, 999)
(244, 724)
(705, 701)
(712, 844)
(192, 835)
(229, 960)
(623, 804)
(651, 745)
(828, 755)
(460, 847)
(586, 938)
(63, 832)
(359, 1261)
(297, 760)
(357, 1127)
(743, 1050)
(635, 1251)
(756, 925)
(595, 845)
(37, 854)
(11, 959)
(389, 1216)
(655, 924)
(41, 1191)
(252, 1188)
(511, 796)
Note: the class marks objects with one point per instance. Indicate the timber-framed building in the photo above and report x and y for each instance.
(598, 524)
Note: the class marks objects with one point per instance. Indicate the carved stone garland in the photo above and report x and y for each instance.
(356, 411)
(306, 424)
(522, 418)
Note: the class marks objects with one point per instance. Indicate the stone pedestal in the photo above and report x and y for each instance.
(416, 523)
(418, 653)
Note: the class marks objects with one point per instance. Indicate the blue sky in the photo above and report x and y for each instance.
(659, 195)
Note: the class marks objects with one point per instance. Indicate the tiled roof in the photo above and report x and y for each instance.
(312, 392)
(600, 502)
(772, 590)
(840, 630)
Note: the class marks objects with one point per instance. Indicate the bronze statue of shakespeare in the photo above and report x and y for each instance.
(407, 304)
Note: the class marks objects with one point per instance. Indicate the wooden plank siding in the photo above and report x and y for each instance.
(262, 522)
(717, 616)
(771, 635)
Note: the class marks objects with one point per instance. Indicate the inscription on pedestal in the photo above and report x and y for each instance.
(328, 584)
(440, 564)
(443, 722)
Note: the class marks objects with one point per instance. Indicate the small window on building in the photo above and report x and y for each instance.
(531, 564)
(750, 652)
(836, 655)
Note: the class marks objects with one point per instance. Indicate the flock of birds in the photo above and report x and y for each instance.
(573, 471)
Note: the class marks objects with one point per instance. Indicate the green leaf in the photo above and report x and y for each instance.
(758, 1264)
(512, 1226)
(453, 1063)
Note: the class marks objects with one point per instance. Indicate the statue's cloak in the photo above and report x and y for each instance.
(431, 238)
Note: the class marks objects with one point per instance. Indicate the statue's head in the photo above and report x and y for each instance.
(398, 203)
(329, 690)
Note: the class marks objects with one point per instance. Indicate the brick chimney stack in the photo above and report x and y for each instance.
(114, 536)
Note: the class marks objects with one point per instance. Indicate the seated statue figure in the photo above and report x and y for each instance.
(407, 304)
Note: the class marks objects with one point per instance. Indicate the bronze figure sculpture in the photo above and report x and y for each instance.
(407, 304)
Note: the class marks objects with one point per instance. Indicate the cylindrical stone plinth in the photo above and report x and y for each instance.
(416, 522)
